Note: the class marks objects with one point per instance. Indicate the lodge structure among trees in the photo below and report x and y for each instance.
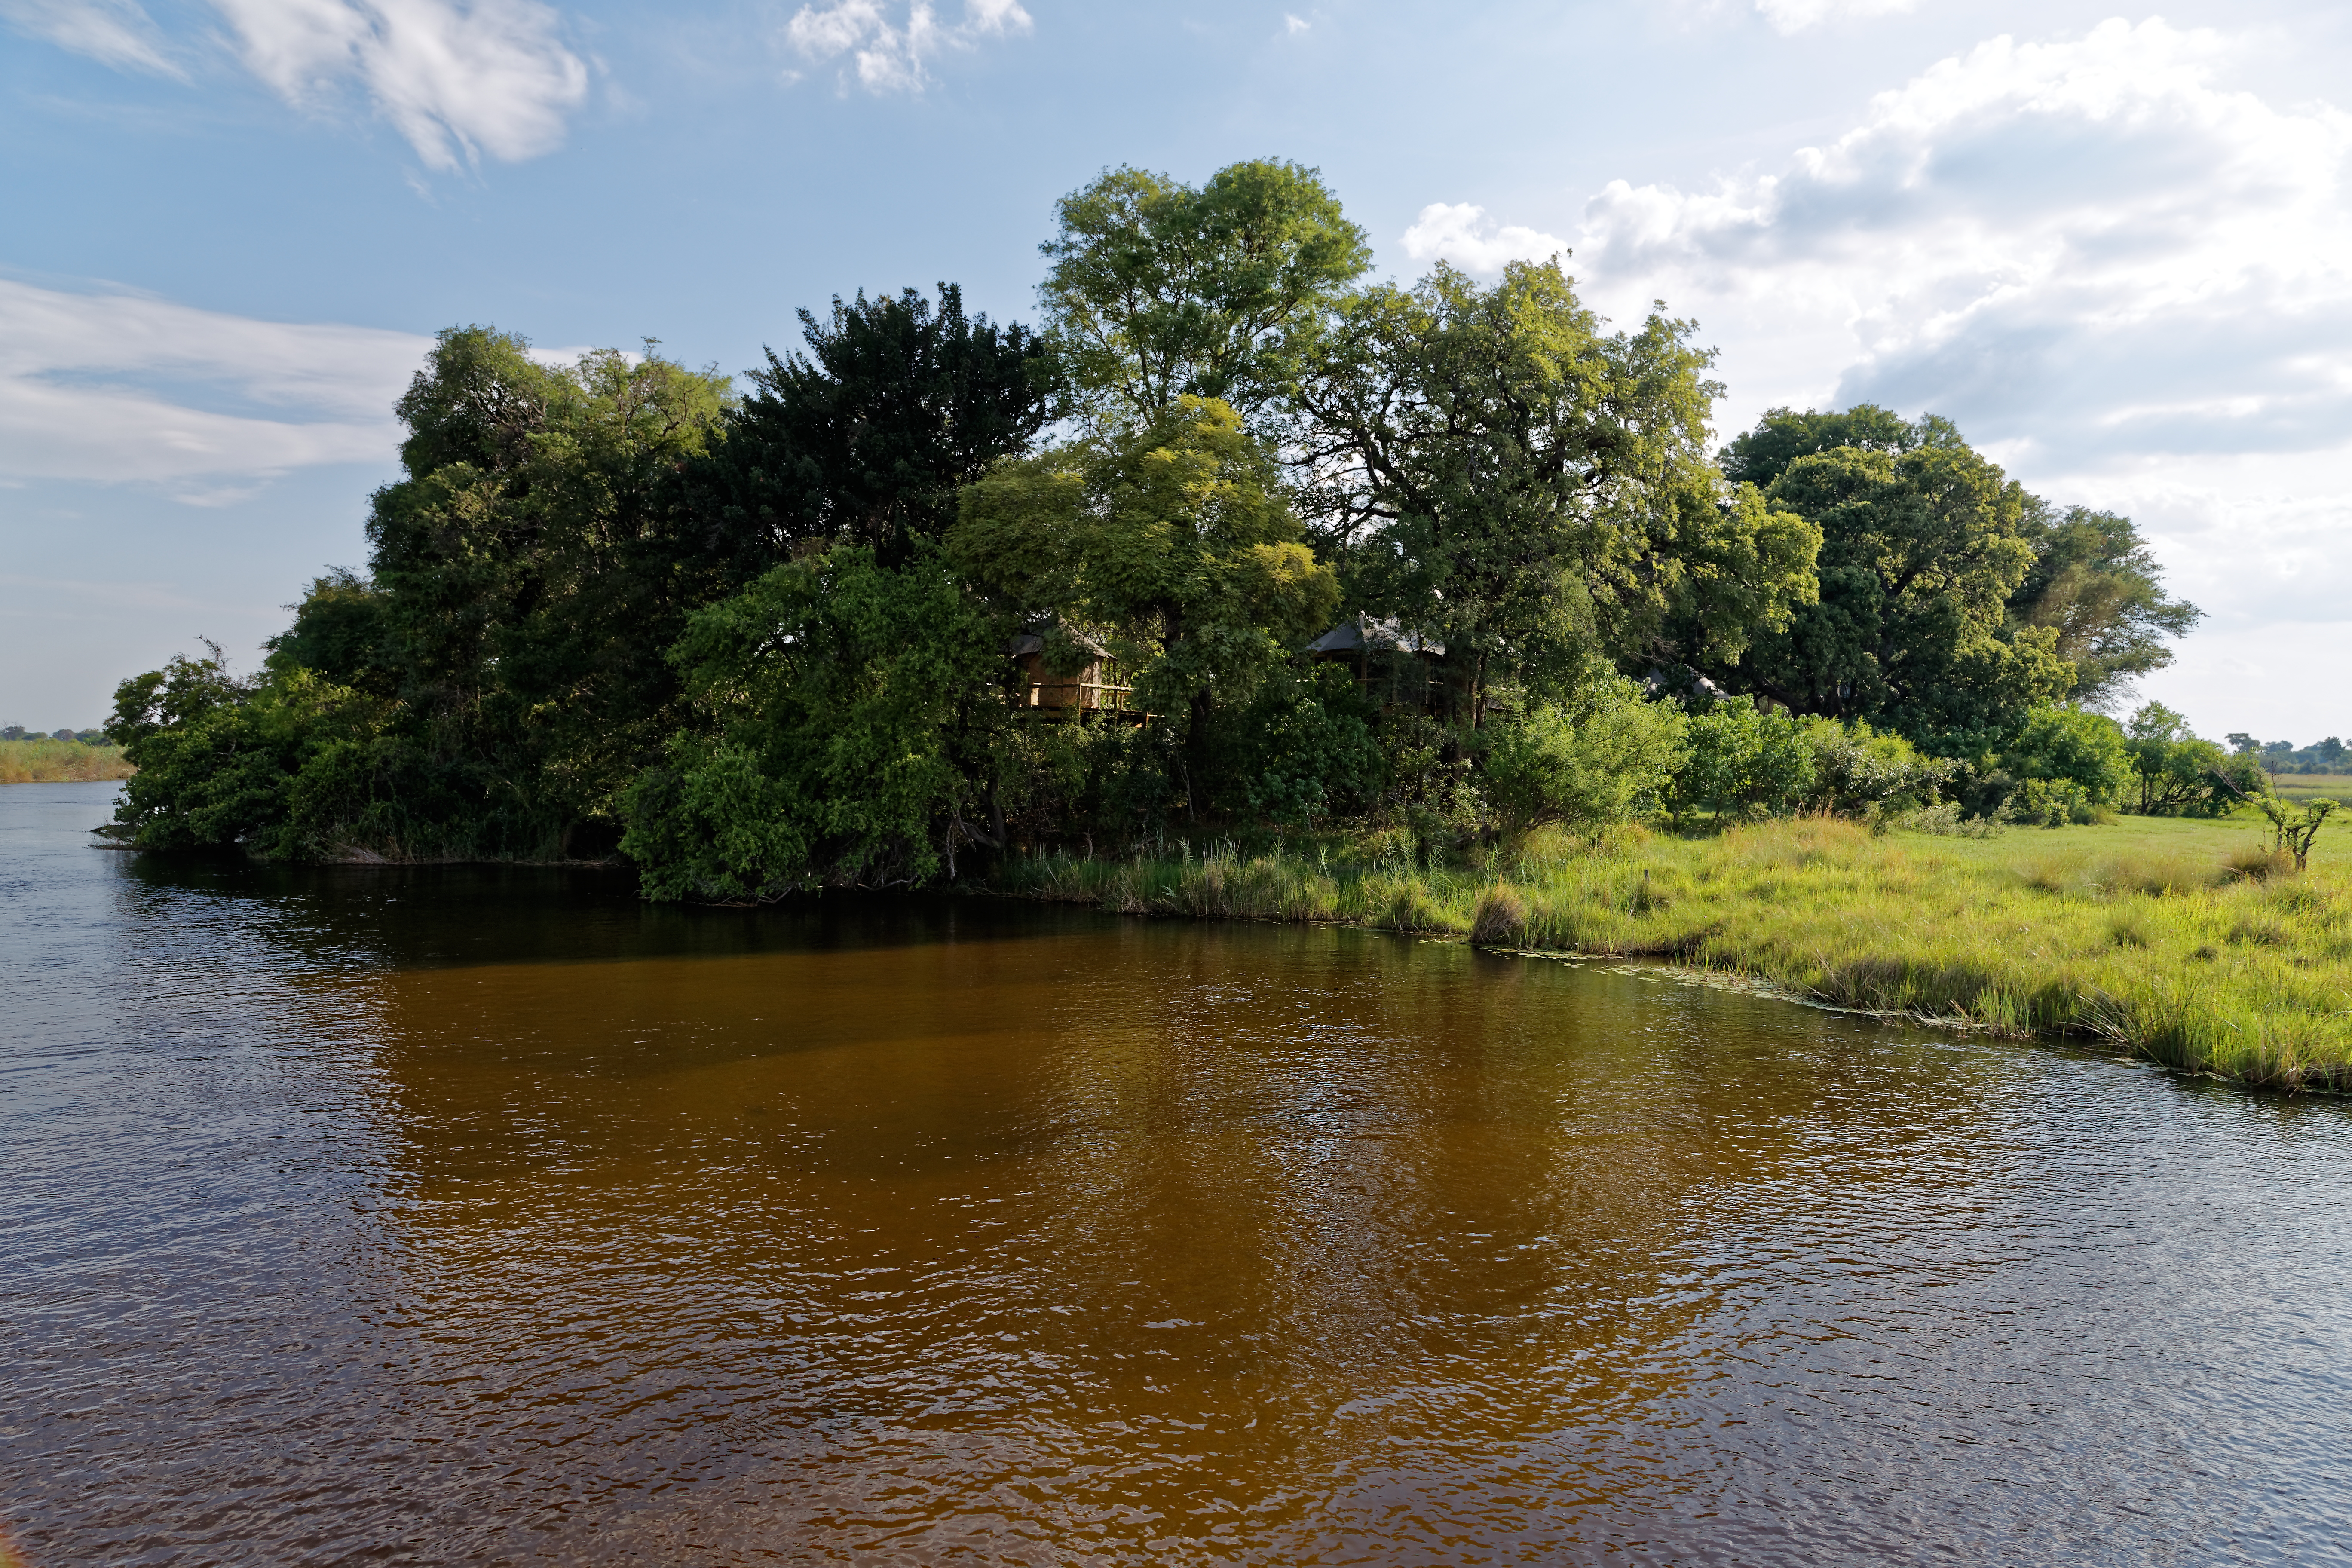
(1242, 540)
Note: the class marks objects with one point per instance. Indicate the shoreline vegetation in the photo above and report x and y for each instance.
(1429, 607)
(61, 762)
(2194, 945)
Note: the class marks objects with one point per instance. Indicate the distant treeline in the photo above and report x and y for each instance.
(2328, 756)
(1237, 536)
(87, 737)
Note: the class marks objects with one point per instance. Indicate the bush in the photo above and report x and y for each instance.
(2083, 752)
(2174, 774)
(1858, 771)
(1743, 763)
(1605, 759)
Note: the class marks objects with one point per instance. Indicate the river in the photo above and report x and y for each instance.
(461, 1215)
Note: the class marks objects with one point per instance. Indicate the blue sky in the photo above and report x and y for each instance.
(2116, 248)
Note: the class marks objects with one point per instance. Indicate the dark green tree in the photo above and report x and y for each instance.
(1758, 456)
(1923, 544)
(497, 679)
(866, 437)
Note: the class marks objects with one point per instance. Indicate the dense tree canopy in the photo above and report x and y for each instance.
(804, 638)
(1920, 551)
(1489, 463)
(868, 436)
(1161, 290)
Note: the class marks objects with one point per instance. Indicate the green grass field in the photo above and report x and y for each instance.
(2301, 787)
(2186, 942)
(59, 762)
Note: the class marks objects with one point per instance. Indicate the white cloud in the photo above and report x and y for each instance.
(1295, 24)
(2132, 284)
(1461, 234)
(891, 59)
(1796, 15)
(117, 33)
(121, 388)
(456, 79)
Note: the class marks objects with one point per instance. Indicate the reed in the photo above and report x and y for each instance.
(2186, 943)
(60, 762)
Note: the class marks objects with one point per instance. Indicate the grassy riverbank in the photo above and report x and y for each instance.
(59, 762)
(2185, 942)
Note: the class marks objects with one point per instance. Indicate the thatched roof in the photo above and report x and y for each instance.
(1034, 641)
(1376, 634)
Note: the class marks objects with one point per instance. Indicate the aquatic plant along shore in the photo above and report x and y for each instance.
(2193, 945)
(60, 762)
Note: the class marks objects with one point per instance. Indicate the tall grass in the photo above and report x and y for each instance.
(59, 762)
(2189, 944)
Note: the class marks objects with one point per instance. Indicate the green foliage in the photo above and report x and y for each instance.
(848, 714)
(1161, 291)
(1488, 463)
(2174, 774)
(1745, 762)
(762, 646)
(1950, 597)
(1604, 757)
(288, 767)
(1921, 548)
(496, 680)
(1762, 455)
(866, 437)
(1860, 772)
(1303, 750)
(2327, 756)
(2094, 582)
(1174, 537)
(2066, 746)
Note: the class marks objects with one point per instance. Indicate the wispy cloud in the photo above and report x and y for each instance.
(117, 33)
(457, 79)
(887, 57)
(122, 387)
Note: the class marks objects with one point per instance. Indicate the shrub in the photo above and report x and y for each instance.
(1744, 762)
(1601, 761)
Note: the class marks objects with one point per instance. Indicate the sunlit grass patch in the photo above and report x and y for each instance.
(60, 762)
(2189, 943)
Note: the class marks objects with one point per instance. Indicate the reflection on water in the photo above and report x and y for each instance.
(452, 1215)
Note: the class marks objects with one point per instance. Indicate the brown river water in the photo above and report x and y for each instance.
(467, 1217)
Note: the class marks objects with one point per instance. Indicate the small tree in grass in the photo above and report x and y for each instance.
(2296, 829)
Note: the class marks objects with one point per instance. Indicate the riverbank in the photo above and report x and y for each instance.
(2183, 942)
(60, 762)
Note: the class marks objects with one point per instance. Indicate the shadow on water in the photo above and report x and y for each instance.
(520, 914)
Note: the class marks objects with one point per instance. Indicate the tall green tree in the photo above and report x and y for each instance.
(495, 680)
(1491, 464)
(846, 714)
(2095, 582)
(866, 437)
(1923, 544)
(1161, 290)
(2092, 581)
